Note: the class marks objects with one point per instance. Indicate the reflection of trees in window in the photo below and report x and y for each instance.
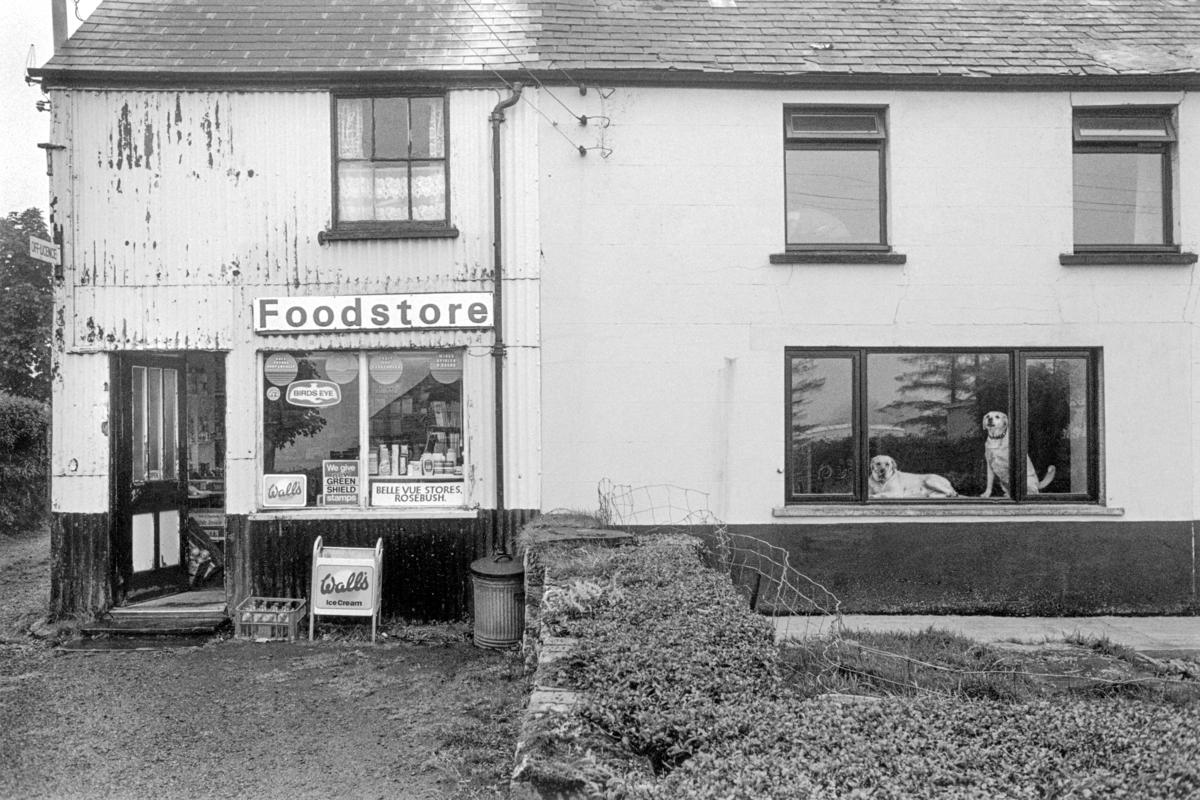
(933, 424)
(285, 423)
(822, 439)
(941, 384)
(804, 384)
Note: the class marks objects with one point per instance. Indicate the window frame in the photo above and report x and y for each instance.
(1018, 411)
(355, 229)
(1164, 145)
(843, 141)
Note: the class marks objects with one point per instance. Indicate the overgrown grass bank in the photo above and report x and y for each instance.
(687, 696)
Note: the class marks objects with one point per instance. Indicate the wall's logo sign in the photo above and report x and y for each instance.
(285, 491)
(314, 394)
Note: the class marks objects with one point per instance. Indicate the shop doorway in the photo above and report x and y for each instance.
(167, 416)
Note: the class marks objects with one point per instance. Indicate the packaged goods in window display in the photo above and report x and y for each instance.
(886, 480)
(996, 456)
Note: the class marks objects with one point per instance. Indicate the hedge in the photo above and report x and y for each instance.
(684, 697)
(24, 462)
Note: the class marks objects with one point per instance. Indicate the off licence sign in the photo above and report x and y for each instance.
(45, 251)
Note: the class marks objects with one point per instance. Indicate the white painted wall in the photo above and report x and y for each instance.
(664, 325)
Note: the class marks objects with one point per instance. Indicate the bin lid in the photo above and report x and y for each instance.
(498, 565)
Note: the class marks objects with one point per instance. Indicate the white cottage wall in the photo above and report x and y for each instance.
(664, 324)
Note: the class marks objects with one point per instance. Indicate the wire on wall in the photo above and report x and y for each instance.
(483, 62)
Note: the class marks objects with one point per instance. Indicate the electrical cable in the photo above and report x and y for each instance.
(582, 119)
(483, 62)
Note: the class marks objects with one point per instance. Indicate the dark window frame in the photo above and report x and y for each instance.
(1163, 144)
(839, 140)
(1018, 411)
(397, 229)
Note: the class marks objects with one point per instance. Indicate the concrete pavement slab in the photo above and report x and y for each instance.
(1146, 634)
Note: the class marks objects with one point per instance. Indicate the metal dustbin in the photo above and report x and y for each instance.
(499, 582)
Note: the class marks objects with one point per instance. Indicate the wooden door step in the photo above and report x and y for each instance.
(155, 626)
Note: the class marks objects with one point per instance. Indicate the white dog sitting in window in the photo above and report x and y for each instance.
(886, 480)
(996, 455)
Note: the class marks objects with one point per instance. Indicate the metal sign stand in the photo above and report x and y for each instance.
(346, 582)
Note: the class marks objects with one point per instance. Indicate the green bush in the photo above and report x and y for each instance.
(24, 462)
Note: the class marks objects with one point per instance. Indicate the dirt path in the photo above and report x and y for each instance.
(426, 717)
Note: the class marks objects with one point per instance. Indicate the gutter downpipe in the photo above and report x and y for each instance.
(498, 348)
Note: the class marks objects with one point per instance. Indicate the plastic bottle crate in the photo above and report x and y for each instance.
(269, 619)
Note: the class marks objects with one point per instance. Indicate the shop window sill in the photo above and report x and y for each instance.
(330, 512)
(948, 510)
(1126, 259)
(838, 257)
(392, 232)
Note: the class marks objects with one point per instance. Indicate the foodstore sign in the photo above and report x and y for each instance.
(373, 312)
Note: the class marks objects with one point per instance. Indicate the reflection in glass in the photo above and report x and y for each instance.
(822, 435)
(297, 438)
(1058, 424)
(925, 410)
(1118, 198)
(833, 196)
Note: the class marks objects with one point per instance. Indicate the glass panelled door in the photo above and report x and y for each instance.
(151, 487)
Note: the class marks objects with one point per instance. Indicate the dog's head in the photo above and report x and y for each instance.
(883, 468)
(996, 424)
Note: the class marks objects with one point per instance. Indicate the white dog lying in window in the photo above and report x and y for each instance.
(886, 480)
(996, 455)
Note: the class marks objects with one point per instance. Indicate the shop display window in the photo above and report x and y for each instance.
(894, 425)
(379, 428)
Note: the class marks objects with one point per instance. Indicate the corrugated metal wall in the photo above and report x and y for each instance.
(180, 208)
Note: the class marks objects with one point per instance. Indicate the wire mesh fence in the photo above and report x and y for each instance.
(807, 615)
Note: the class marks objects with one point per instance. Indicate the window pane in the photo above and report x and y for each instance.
(309, 418)
(818, 123)
(353, 129)
(1124, 127)
(1058, 425)
(427, 139)
(833, 196)
(391, 127)
(355, 192)
(154, 423)
(429, 190)
(170, 425)
(391, 192)
(416, 427)
(138, 435)
(925, 411)
(822, 414)
(1118, 198)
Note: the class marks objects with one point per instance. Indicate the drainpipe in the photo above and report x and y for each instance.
(498, 351)
(58, 15)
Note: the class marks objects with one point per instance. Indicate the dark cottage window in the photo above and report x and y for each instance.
(391, 168)
(834, 168)
(1123, 179)
(957, 420)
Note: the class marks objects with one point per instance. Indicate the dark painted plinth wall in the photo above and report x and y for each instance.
(81, 575)
(426, 562)
(1044, 568)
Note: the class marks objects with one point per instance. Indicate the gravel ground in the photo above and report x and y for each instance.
(423, 715)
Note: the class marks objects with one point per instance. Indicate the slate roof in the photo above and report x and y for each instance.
(929, 39)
